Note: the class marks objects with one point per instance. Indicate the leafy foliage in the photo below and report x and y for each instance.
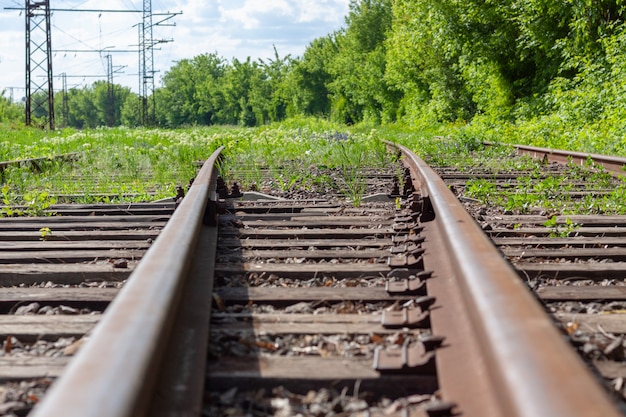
(9, 112)
(541, 72)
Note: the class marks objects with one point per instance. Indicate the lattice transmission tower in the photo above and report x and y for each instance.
(147, 72)
(146, 66)
(65, 104)
(39, 90)
(110, 119)
(39, 75)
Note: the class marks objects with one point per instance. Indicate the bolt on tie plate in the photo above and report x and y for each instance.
(412, 357)
(404, 281)
(407, 227)
(400, 239)
(407, 247)
(413, 258)
(414, 315)
(407, 218)
(436, 408)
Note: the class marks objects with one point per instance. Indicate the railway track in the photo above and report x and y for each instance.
(574, 263)
(58, 274)
(400, 306)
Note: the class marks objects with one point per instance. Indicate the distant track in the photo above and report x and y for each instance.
(576, 265)
(613, 164)
(37, 163)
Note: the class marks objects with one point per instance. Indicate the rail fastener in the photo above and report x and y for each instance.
(530, 369)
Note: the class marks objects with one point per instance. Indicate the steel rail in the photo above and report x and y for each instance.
(533, 371)
(115, 371)
(36, 161)
(613, 164)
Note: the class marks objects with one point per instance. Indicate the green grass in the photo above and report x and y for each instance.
(147, 164)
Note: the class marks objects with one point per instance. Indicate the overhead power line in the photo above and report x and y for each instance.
(39, 57)
(97, 50)
(83, 10)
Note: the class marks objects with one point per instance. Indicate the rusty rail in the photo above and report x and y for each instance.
(35, 162)
(613, 164)
(115, 372)
(532, 370)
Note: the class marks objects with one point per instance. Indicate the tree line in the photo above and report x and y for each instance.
(408, 60)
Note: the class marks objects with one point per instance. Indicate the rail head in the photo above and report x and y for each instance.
(114, 372)
(614, 165)
(532, 369)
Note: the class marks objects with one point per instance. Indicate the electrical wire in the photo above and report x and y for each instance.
(76, 63)
(75, 38)
(15, 3)
(131, 4)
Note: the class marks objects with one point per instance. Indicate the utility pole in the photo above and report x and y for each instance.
(65, 106)
(146, 61)
(146, 47)
(12, 94)
(39, 57)
(143, 100)
(39, 100)
(110, 119)
(38, 63)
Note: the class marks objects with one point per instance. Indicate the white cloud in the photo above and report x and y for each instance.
(332, 11)
(251, 12)
(197, 12)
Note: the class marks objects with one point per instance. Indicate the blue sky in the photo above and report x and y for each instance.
(230, 28)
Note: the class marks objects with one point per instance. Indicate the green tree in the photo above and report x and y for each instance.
(9, 111)
(425, 54)
(276, 73)
(99, 104)
(130, 114)
(359, 89)
(190, 93)
(238, 81)
(454, 59)
(307, 82)
(83, 112)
